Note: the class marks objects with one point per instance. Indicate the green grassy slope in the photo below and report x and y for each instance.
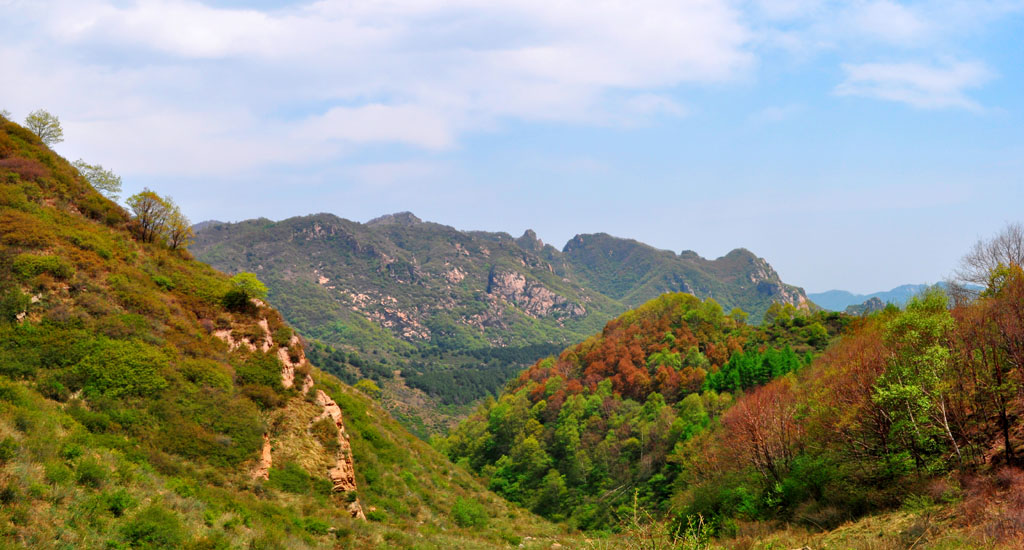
(126, 422)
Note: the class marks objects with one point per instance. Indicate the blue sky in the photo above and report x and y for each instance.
(856, 145)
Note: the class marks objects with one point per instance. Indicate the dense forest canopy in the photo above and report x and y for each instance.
(813, 419)
(575, 435)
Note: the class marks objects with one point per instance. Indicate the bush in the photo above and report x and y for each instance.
(164, 282)
(291, 478)
(369, 387)
(123, 368)
(51, 388)
(8, 449)
(236, 300)
(27, 266)
(154, 527)
(316, 526)
(326, 432)
(70, 451)
(12, 303)
(57, 473)
(262, 369)
(27, 169)
(118, 502)
(91, 473)
(469, 513)
(282, 336)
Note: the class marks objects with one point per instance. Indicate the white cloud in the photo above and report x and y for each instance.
(775, 113)
(330, 74)
(889, 21)
(371, 123)
(653, 104)
(314, 80)
(918, 85)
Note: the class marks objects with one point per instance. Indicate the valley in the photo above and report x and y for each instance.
(586, 398)
(443, 317)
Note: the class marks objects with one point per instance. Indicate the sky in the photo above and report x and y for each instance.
(856, 145)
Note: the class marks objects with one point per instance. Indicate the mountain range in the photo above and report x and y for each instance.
(150, 401)
(839, 300)
(442, 317)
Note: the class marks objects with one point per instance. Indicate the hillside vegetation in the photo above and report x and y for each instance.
(143, 405)
(457, 314)
(904, 421)
(577, 436)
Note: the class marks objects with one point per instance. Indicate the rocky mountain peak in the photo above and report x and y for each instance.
(398, 218)
(529, 241)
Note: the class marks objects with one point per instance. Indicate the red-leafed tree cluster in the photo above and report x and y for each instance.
(666, 346)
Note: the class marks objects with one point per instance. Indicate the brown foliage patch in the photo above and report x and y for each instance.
(27, 169)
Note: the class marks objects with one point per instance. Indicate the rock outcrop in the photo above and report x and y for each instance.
(343, 474)
(533, 298)
(262, 470)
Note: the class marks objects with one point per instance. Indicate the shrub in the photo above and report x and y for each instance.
(10, 393)
(51, 388)
(123, 368)
(164, 282)
(154, 527)
(376, 515)
(316, 526)
(260, 368)
(70, 451)
(282, 336)
(13, 303)
(91, 473)
(469, 513)
(27, 266)
(27, 169)
(291, 478)
(369, 387)
(326, 432)
(236, 300)
(263, 396)
(118, 502)
(8, 495)
(57, 473)
(23, 229)
(8, 449)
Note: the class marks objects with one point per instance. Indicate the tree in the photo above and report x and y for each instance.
(105, 181)
(250, 285)
(1004, 250)
(915, 385)
(4, 113)
(46, 126)
(151, 213)
(762, 429)
(178, 227)
(369, 387)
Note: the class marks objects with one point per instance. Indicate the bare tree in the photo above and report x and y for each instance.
(1004, 249)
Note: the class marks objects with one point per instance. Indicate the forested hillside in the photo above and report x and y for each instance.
(576, 435)
(908, 420)
(149, 401)
(457, 314)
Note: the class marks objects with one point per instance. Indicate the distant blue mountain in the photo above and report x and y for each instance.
(839, 300)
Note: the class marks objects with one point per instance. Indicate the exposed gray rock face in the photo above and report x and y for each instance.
(532, 297)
